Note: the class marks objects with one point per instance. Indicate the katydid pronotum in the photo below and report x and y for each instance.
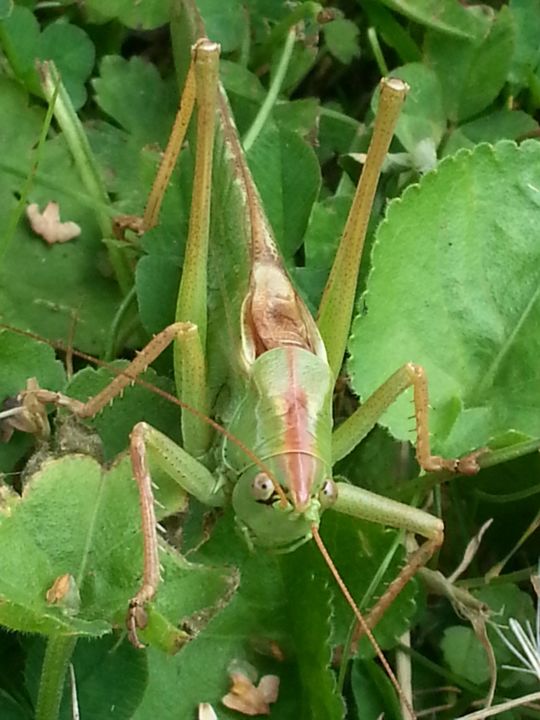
(280, 474)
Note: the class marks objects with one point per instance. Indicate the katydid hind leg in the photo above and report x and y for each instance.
(336, 308)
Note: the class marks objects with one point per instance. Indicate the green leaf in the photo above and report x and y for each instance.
(526, 16)
(21, 126)
(325, 227)
(73, 52)
(300, 116)
(157, 305)
(226, 23)
(6, 8)
(110, 677)
(499, 125)
(472, 72)
(395, 35)
(76, 518)
(19, 35)
(287, 175)
(309, 613)
(464, 654)
(132, 92)
(22, 358)
(422, 120)
(57, 284)
(471, 320)
(139, 16)
(359, 550)
(341, 37)
(117, 420)
(249, 627)
(373, 692)
(445, 16)
(68, 45)
(463, 651)
(238, 80)
(337, 132)
(10, 708)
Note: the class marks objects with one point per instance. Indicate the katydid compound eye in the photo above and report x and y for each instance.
(328, 493)
(262, 487)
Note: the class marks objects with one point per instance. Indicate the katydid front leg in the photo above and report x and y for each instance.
(190, 474)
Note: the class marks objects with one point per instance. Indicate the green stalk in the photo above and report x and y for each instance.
(53, 674)
(116, 325)
(87, 166)
(17, 212)
(273, 92)
(303, 13)
(377, 51)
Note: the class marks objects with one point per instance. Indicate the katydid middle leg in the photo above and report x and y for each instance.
(350, 433)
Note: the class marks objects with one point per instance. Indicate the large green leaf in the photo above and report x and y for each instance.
(309, 615)
(526, 16)
(133, 93)
(467, 309)
(75, 517)
(243, 632)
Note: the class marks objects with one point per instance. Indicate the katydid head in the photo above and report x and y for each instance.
(265, 519)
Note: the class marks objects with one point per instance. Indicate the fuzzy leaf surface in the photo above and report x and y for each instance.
(471, 322)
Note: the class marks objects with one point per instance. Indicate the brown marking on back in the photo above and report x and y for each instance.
(300, 462)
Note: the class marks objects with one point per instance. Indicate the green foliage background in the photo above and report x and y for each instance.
(450, 280)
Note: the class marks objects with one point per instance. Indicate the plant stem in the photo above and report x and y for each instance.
(57, 656)
(15, 214)
(377, 51)
(119, 317)
(86, 164)
(273, 92)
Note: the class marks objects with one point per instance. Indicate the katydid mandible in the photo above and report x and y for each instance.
(290, 361)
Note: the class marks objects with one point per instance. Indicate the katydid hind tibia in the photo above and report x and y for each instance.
(287, 369)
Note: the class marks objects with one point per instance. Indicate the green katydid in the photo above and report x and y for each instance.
(283, 482)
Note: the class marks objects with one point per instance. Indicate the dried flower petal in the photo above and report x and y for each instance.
(47, 224)
(65, 593)
(249, 699)
(206, 712)
(269, 687)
